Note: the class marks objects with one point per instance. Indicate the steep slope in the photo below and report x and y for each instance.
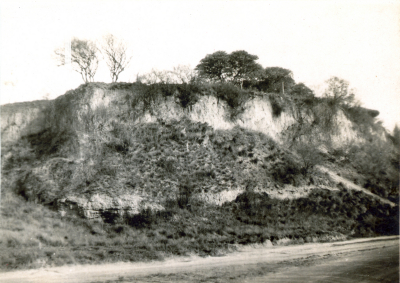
(129, 172)
(22, 119)
(103, 149)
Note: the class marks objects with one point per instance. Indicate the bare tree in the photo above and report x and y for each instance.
(115, 51)
(84, 58)
(156, 76)
(184, 73)
(179, 75)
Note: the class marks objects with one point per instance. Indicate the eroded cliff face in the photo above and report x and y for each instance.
(257, 115)
(92, 110)
(98, 206)
(22, 119)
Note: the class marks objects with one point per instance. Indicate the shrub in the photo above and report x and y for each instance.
(168, 89)
(362, 117)
(286, 170)
(233, 96)
(167, 164)
(144, 219)
(336, 210)
(374, 161)
(324, 114)
(187, 94)
(186, 189)
(22, 154)
(30, 187)
(309, 156)
(277, 108)
(144, 96)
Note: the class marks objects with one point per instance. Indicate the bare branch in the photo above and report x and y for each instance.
(84, 58)
(115, 52)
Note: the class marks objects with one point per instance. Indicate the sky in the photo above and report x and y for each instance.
(358, 41)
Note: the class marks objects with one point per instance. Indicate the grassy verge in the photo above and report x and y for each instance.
(35, 236)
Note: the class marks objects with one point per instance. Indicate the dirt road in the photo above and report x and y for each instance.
(362, 260)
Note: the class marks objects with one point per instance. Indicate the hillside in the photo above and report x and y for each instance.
(133, 172)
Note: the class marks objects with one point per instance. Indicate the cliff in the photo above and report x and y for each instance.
(99, 105)
(22, 119)
(103, 152)
(74, 109)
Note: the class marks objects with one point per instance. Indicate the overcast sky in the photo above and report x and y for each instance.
(358, 41)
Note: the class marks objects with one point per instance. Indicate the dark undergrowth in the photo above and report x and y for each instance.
(160, 157)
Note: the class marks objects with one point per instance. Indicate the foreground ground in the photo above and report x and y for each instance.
(363, 260)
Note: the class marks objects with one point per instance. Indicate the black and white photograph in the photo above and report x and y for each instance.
(199, 141)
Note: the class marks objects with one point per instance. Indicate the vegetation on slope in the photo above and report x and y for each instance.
(154, 157)
(157, 158)
(105, 151)
(34, 236)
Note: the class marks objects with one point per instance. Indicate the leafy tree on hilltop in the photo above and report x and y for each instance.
(242, 66)
(338, 91)
(276, 79)
(235, 67)
(214, 66)
(301, 89)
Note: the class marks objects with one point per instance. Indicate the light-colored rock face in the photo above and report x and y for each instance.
(345, 133)
(257, 115)
(22, 119)
(220, 197)
(30, 119)
(94, 206)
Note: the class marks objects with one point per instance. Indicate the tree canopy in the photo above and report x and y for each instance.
(301, 89)
(214, 66)
(242, 66)
(235, 67)
(276, 79)
(338, 90)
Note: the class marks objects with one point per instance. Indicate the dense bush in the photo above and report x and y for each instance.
(286, 170)
(145, 96)
(233, 96)
(20, 154)
(309, 156)
(377, 161)
(362, 117)
(187, 94)
(277, 107)
(346, 212)
(186, 189)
